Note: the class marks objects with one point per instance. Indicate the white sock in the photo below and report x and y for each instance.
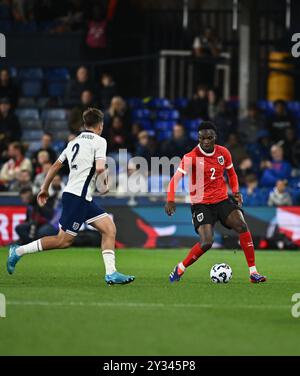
(252, 269)
(32, 247)
(181, 266)
(109, 261)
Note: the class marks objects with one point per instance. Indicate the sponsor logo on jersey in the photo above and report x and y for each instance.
(75, 226)
(200, 217)
(221, 160)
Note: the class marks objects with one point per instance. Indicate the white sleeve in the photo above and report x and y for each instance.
(101, 146)
(63, 156)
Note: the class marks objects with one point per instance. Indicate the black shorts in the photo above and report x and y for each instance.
(204, 214)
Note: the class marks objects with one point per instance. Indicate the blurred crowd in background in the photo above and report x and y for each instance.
(264, 144)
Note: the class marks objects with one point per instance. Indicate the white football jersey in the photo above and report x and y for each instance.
(82, 153)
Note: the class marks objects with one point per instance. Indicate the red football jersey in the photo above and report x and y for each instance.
(207, 184)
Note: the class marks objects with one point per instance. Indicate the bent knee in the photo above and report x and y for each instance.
(241, 227)
(109, 230)
(65, 242)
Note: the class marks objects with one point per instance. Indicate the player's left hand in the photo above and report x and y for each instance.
(170, 208)
(42, 197)
(239, 198)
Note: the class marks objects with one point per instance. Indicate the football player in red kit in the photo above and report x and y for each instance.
(205, 165)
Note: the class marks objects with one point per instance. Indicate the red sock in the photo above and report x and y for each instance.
(248, 248)
(193, 255)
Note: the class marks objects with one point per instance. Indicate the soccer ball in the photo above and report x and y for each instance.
(221, 273)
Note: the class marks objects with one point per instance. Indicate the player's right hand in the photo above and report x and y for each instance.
(42, 197)
(170, 208)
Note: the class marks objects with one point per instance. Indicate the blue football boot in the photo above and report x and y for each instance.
(117, 278)
(257, 278)
(175, 276)
(12, 259)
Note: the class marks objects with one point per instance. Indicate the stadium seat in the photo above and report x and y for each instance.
(58, 146)
(54, 114)
(160, 103)
(33, 146)
(266, 106)
(56, 88)
(141, 113)
(135, 103)
(30, 135)
(192, 125)
(25, 102)
(31, 74)
(180, 103)
(56, 125)
(167, 115)
(294, 108)
(31, 88)
(146, 124)
(28, 114)
(164, 125)
(31, 124)
(194, 135)
(164, 135)
(57, 74)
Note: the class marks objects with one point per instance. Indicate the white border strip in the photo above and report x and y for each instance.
(95, 218)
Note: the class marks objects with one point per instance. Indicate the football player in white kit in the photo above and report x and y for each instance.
(86, 156)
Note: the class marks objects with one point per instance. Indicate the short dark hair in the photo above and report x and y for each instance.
(46, 133)
(26, 189)
(207, 125)
(92, 116)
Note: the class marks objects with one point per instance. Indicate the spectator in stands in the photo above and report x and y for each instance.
(39, 178)
(78, 85)
(119, 108)
(213, 107)
(23, 180)
(250, 125)
(279, 196)
(117, 136)
(289, 144)
(240, 157)
(252, 195)
(198, 106)
(46, 145)
(224, 121)
(56, 188)
(206, 48)
(15, 164)
(10, 129)
(132, 180)
(207, 44)
(277, 169)
(146, 147)
(42, 158)
(75, 119)
(8, 89)
(178, 145)
(279, 121)
(37, 220)
(106, 91)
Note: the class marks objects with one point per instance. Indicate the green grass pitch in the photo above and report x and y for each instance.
(58, 304)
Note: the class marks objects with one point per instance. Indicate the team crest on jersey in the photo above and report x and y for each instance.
(221, 159)
(200, 217)
(75, 226)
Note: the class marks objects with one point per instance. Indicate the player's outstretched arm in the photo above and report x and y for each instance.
(43, 194)
(170, 206)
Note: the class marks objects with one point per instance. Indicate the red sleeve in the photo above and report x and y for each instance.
(182, 169)
(228, 159)
(233, 179)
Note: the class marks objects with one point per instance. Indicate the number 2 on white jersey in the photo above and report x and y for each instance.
(213, 171)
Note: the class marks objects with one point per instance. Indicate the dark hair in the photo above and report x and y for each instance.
(279, 101)
(26, 189)
(48, 134)
(207, 125)
(19, 146)
(92, 116)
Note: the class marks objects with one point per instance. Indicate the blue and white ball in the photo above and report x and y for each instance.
(221, 273)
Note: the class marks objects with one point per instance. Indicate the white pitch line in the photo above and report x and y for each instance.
(142, 305)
